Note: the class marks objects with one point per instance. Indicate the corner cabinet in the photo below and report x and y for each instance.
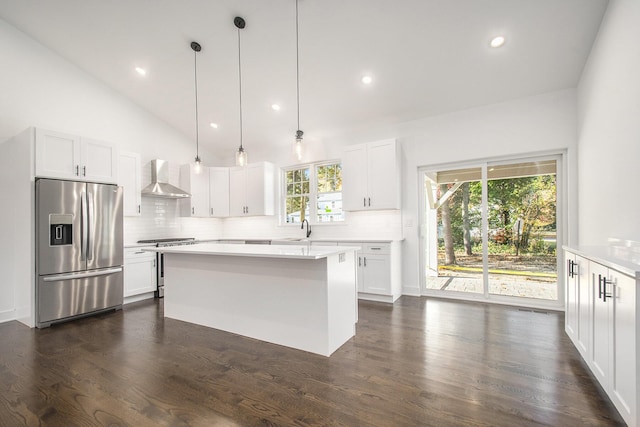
(252, 190)
(378, 270)
(196, 182)
(371, 176)
(64, 156)
(602, 321)
(129, 178)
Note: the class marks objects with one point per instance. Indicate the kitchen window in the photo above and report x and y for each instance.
(313, 192)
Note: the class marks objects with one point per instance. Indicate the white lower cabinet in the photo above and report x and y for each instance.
(139, 273)
(607, 333)
(379, 277)
(578, 301)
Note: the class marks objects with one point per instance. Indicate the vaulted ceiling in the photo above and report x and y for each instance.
(426, 57)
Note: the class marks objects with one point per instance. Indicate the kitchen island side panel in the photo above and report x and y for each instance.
(282, 301)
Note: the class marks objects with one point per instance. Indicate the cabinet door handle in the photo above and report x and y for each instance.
(359, 261)
(599, 286)
(365, 261)
(570, 267)
(138, 208)
(376, 249)
(77, 170)
(602, 288)
(369, 201)
(84, 171)
(154, 263)
(364, 201)
(211, 211)
(193, 210)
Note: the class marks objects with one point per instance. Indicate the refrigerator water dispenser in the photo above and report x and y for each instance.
(60, 229)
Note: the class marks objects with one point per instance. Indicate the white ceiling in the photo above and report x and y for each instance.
(427, 57)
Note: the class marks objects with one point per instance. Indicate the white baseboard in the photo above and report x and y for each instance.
(7, 315)
(136, 298)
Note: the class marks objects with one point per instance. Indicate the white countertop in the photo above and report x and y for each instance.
(622, 258)
(262, 251)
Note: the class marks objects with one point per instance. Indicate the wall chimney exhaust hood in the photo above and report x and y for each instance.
(160, 186)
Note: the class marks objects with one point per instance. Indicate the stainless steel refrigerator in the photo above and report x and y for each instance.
(79, 251)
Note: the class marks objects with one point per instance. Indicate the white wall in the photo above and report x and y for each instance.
(609, 130)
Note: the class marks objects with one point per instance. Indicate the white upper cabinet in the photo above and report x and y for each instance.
(197, 183)
(129, 178)
(371, 176)
(65, 156)
(99, 161)
(57, 155)
(251, 190)
(219, 192)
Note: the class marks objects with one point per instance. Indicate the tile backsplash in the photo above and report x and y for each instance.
(160, 218)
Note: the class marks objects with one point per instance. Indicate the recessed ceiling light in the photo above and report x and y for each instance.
(213, 125)
(141, 71)
(367, 80)
(275, 107)
(497, 41)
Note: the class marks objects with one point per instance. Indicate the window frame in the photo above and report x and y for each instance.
(313, 193)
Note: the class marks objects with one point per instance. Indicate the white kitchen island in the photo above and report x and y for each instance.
(297, 296)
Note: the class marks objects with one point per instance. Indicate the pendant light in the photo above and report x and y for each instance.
(298, 147)
(241, 154)
(196, 48)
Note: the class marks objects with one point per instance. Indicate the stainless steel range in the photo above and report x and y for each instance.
(160, 243)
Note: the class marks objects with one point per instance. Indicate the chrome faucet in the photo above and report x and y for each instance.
(308, 227)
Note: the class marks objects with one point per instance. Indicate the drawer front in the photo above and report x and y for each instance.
(136, 254)
(376, 248)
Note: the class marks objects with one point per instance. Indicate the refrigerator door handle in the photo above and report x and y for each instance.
(90, 203)
(84, 227)
(83, 275)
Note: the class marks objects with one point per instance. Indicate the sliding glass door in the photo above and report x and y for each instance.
(490, 230)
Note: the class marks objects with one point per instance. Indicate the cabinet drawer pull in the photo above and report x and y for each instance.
(139, 252)
(376, 249)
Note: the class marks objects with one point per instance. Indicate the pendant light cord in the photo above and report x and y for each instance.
(297, 68)
(195, 74)
(240, 85)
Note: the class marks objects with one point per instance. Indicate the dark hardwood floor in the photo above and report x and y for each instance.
(419, 362)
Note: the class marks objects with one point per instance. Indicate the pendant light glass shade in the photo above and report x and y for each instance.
(196, 48)
(241, 155)
(298, 146)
